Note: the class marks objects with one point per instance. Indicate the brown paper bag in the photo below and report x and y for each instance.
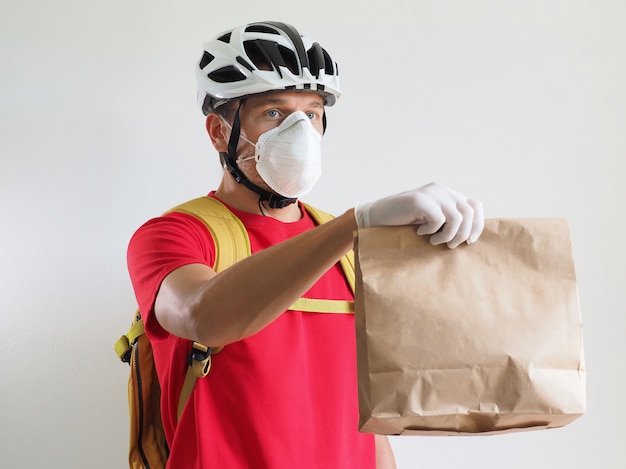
(484, 338)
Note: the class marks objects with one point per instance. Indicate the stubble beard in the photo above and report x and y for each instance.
(248, 167)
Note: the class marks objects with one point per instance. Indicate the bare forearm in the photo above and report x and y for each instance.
(245, 298)
(384, 454)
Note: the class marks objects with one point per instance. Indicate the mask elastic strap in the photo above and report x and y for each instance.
(273, 200)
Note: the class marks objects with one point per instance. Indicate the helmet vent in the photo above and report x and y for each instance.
(227, 74)
(245, 63)
(316, 59)
(289, 59)
(267, 55)
(328, 64)
(206, 59)
(260, 28)
(225, 37)
(257, 55)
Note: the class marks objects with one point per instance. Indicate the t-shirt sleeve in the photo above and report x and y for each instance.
(159, 247)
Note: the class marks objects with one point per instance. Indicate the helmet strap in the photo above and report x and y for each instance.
(274, 200)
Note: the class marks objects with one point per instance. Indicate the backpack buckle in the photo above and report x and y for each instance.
(200, 359)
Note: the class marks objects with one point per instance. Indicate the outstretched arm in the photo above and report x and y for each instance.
(217, 309)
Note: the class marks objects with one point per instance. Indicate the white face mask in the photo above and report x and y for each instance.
(289, 157)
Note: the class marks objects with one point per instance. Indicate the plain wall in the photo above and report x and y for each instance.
(521, 104)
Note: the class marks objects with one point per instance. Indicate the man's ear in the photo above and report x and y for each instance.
(218, 132)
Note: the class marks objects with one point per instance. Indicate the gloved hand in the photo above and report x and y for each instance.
(448, 216)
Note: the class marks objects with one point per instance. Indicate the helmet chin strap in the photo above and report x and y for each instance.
(274, 200)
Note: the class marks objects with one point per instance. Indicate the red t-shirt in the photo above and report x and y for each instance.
(285, 397)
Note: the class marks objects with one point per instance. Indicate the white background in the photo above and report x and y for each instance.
(521, 104)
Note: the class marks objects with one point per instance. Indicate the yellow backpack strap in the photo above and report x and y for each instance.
(199, 362)
(232, 244)
(123, 344)
(314, 305)
(229, 234)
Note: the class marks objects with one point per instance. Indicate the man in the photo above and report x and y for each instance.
(282, 391)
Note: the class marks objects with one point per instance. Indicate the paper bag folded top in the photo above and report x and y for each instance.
(485, 338)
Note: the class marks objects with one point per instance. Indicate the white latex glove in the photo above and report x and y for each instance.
(448, 216)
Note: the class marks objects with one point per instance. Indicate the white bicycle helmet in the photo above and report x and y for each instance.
(259, 57)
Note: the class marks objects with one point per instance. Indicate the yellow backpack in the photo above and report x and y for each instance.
(148, 448)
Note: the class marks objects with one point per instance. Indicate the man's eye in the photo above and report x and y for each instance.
(311, 115)
(272, 113)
